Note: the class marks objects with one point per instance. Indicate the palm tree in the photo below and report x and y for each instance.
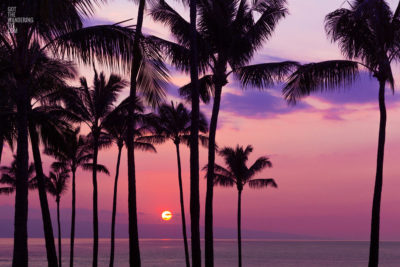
(76, 154)
(229, 33)
(57, 185)
(92, 105)
(57, 26)
(175, 124)
(368, 36)
(237, 173)
(116, 124)
(9, 178)
(47, 119)
(150, 64)
(194, 143)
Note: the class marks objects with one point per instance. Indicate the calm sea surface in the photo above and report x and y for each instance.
(255, 253)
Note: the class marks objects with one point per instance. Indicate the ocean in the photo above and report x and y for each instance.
(169, 252)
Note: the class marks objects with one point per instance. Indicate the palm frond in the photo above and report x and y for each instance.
(6, 190)
(318, 77)
(203, 139)
(145, 147)
(261, 183)
(206, 89)
(108, 44)
(352, 32)
(152, 81)
(260, 164)
(266, 74)
(180, 28)
(100, 168)
(223, 177)
(271, 12)
(151, 139)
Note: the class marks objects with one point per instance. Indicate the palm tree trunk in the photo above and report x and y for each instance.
(72, 238)
(209, 242)
(376, 204)
(239, 227)
(194, 143)
(44, 205)
(20, 252)
(114, 211)
(59, 232)
(1, 147)
(178, 156)
(134, 251)
(95, 209)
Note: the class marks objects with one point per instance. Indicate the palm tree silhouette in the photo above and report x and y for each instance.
(9, 178)
(47, 120)
(76, 154)
(116, 124)
(92, 105)
(194, 136)
(148, 76)
(175, 124)
(229, 33)
(238, 174)
(57, 26)
(367, 35)
(57, 185)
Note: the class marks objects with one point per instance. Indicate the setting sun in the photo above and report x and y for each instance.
(166, 215)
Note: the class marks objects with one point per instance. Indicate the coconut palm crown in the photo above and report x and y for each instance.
(8, 177)
(368, 34)
(238, 174)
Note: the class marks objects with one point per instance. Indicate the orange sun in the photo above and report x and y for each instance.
(166, 215)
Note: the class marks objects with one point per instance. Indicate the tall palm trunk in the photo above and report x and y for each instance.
(1, 147)
(59, 231)
(114, 211)
(20, 252)
(95, 211)
(72, 238)
(178, 156)
(44, 205)
(239, 227)
(134, 251)
(376, 205)
(209, 242)
(194, 142)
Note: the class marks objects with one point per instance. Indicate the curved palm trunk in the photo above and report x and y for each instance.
(20, 251)
(44, 205)
(95, 211)
(194, 143)
(59, 232)
(239, 227)
(134, 251)
(72, 238)
(178, 156)
(209, 240)
(376, 205)
(114, 211)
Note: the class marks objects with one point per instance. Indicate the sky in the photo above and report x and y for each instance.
(323, 150)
